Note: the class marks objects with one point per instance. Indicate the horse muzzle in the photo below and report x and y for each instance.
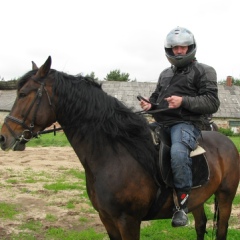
(19, 146)
(2, 142)
(15, 146)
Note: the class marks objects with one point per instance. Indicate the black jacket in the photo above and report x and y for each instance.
(197, 84)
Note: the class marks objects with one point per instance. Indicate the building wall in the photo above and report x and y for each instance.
(127, 92)
(224, 123)
(2, 116)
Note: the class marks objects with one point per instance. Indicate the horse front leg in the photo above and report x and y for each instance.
(200, 221)
(111, 228)
(122, 228)
(129, 227)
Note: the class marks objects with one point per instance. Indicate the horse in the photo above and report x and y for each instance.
(116, 149)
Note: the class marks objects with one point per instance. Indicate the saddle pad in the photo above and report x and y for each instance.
(200, 168)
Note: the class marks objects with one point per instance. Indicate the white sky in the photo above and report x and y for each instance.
(84, 36)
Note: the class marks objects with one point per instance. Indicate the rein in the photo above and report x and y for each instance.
(54, 130)
(139, 97)
(152, 111)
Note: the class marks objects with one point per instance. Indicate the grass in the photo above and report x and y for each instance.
(51, 218)
(58, 186)
(161, 229)
(32, 225)
(61, 234)
(236, 141)
(157, 229)
(46, 140)
(8, 211)
(55, 233)
(32, 228)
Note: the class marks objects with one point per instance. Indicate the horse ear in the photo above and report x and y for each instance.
(45, 68)
(34, 66)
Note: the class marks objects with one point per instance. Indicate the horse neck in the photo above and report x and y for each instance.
(86, 152)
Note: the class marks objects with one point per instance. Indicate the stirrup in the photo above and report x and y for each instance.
(180, 219)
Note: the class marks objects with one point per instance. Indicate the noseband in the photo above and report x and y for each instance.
(29, 129)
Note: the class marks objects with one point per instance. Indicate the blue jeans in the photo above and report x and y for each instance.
(184, 140)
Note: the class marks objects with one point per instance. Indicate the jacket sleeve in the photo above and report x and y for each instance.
(154, 96)
(206, 102)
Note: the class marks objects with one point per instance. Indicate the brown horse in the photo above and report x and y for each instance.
(115, 147)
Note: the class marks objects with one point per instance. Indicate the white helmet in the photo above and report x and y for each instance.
(180, 37)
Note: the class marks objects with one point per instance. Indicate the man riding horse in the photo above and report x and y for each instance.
(188, 89)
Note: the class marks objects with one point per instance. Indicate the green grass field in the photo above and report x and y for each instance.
(160, 228)
(236, 141)
(154, 230)
(49, 139)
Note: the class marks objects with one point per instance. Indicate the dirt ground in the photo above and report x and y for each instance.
(34, 201)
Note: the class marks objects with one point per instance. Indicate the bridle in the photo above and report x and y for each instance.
(28, 130)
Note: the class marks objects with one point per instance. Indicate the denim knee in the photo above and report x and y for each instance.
(179, 153)
(189, 139)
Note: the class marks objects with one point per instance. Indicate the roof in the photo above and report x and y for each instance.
(7, 98)
(127, 93)
(230, 101)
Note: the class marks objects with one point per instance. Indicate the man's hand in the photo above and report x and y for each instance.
(174, 101)
(145, 105)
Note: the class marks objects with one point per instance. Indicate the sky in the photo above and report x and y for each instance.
(84, 36)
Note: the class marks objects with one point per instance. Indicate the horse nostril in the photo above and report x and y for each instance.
(2, 138)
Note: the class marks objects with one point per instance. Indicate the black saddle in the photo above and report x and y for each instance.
(200, 171)
(200, 168)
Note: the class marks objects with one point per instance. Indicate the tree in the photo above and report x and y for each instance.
(92, 75)
(236, 81)
(116, 75)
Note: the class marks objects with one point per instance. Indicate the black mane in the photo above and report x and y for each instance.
(100, 118)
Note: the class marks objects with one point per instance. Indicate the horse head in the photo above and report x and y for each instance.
(33, 109)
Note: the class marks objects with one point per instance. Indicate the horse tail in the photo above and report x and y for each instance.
(215, 216)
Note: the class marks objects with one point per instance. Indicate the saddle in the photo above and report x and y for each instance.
(200, 168)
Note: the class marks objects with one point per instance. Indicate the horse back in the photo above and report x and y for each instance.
(221, 153)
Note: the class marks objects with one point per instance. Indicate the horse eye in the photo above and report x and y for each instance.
(22, 95)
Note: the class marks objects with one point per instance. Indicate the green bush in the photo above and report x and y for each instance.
(226, 131)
